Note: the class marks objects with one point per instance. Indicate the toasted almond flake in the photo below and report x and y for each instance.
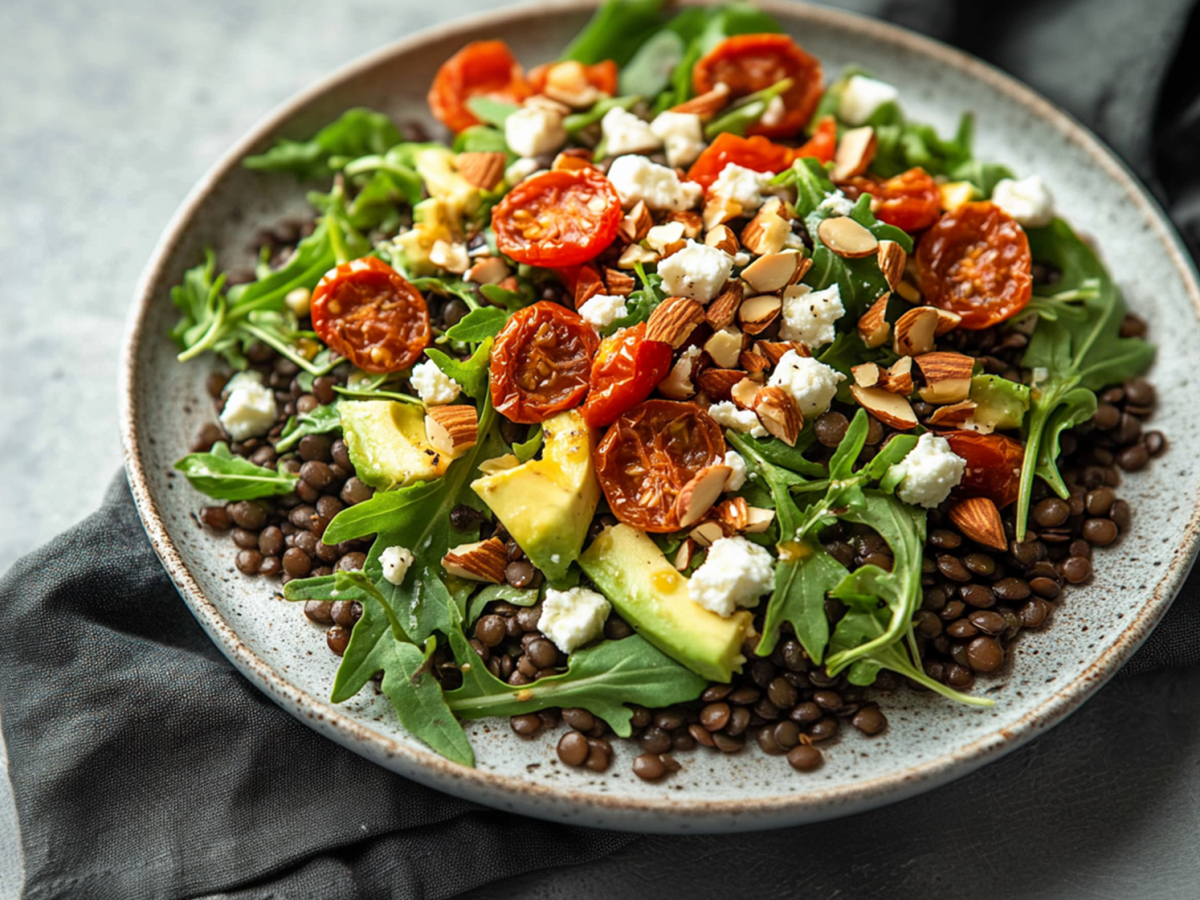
(567, 82)
(956, 415)
(683, 556)
(721, 237)
(898, 377)
(722, 311)
(866, 375)
(769, 228)
(847, 238)
(758, 519)
(774, 350)
(719, 209)
(672, 248)
(483, 169)
(706, 105)
(693, 223)
(772, 272)
(753, 362)
(915, 331)
(487, 270)
(744, 392)
(452, 430)
(634, 254)
(757, 313)
(707, 533)
(979, 519)
(908, 292)
(674, 320)
(777, 412)
(873, 328)
(480, 561)
(947, 322)
(725, 346)
(890, 409)
(718, 383)
(698, 495)
(636, 223)
(892, 259)
(854, 153)
(733, 513)
(947, 376)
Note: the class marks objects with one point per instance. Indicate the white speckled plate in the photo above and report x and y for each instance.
(929, 741)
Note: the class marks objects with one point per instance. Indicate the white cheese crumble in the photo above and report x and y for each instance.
(450, 256)
(534, 130)
(573, 617)
(396, 562)
(432, 385)
(519, 171)
(601, 310)
(931, 471)
(737, 477)
(741, 185)
(734, 573)
(862, 96)
(1029, 200)
(682, 136)
(809, 316)
(697, 271)
(636, 178)
(626, 133)
(813, 385)
(837, 203)
(728, 415)
(774, 112)
(249, 406)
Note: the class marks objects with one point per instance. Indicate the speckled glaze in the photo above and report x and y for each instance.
(930, 741)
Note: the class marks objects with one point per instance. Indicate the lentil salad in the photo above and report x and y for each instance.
(818, 477)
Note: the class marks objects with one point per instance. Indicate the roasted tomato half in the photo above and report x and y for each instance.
(755, 153)
(822, 144)
(649, 453)
(482, 68)
(975, 261)
(557, 219)
(369, 313)
(602, 75)
(910, 200)
(626, 370)
(753, 62)
(993, 465)
(541, 362)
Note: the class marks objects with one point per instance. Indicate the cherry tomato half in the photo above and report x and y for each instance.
(369, 313)
(649, 453)
(557, 219)
(910, 201)
(626, 369)
(602, 76)
(975, 261)
(823, 143)
(755, 153)
(541, 362)
(752, 62)
(993, 465)
(482, 68)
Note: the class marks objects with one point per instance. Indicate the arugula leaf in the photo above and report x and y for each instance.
(357, 132)
(510, 300)
(649, 70)
(528, 450)
(491, 111)
(470, 374)
(481, 139)
(224, 476)
(746, 111)
(321, 420)
(616, 30)
(478, 325)
(640, 303)
(507, 593)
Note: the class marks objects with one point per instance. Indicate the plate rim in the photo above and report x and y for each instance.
(662, 813)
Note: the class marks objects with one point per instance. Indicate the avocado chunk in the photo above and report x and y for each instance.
(652, 597)
(387, 443)
(999, 403)
(547, 504)
(436, 167)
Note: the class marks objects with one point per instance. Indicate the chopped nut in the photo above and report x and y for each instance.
(772, 272)
(854, 153)
(753, 362)
(722, 311)
(979, 519)
(774, 350)
(693, 223)
(452, 430)
(686, 552)
(634, 254)
(757, 313)
(733, 513)
(847, 238)
(890, 409)
(956, 415)
(898, 378)
(567, 82)
(487, 270)
(636, 223)
(707, 533)
(725, 346)
(947, 322)
(674, 320)
(480, 561)
(706, 105)
(908, 292)
(718, 383)
(483, 169)
(722, 238)
(777, 411)
(744, 392)
(719, 209)
(766, 232)
(758, 520)
(866, 375)
(915, 330)
(873, 328)
(698, 495)
(892, 259)
(618, 283)
(947, 376)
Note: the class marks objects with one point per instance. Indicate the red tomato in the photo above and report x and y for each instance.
(823, 143)
(582, 282)
(755, 153)
(753, 62)
(482, 68)
(602, 76)
(975, 261)
(557, 219)
(626, 369)
(369, 313)
(910, 201)
(541, 362)
(993, 465)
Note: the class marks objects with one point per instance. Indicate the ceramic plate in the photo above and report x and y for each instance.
(930, 741)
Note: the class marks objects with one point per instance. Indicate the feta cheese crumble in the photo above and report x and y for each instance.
(931, 471)
(813, 385)
(432, 385)
(737, 478)
(573, 617)
(626, 133)
(744, 421)
(249, 407)
(809, 316)
(837, 203)
(636, 178)
(741, 185)
(534, 130)
(601, 310)
(396, 562)
(682, 136)
(697, 271)
(735, 573)
(862, 96)
(519, 171)
(1029, 200)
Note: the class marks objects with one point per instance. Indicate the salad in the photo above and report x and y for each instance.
(678, 395)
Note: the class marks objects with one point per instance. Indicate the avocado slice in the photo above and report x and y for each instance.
(436, 167)
(547, 504)
(387, 443)
(652, 597)
(999, 403)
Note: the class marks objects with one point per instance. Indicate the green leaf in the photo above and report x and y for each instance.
(321, 420)
(481, 139)
(649, 71)
(804, 574)
(471, 374)
(491, 111)
(516, 596)
(746, 111)
(1074, 408)
(478, 325)
(640, 303)
(528, 450)
(510, 300)
(576, 122)
(224, 476)
(358, 132)
(616, 30)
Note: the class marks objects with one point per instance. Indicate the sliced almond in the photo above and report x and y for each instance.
(898, 377)
(718, 383)
(873, 328)
(483, 169)
(725, 346)
(915, 330)
(772, 272)
(890, 409)
(947, 376)
(661, 236)
(956, 415)
(753, 363)
(866, 375)
(567, 82)
(769, 228)
(452, 430)
(777, 411)
(758, 519)
(891, 262)
(674, 320)
(635, 223)
(719, 209)
(618, 284)
(733, 513)
(693, 223)
(480, 561)
(775, 350)
(854, 153)
(706, 105)
(847, 238)
(541, 101)
(979, 519)
(757, 313)
(487, 270)
(698, 495)
(672, 248)
(634, 254)
(684, 555)
(722, 238)
(722, 311)
(947, 322)
(572, 159)
(744, 392)
(707, 533)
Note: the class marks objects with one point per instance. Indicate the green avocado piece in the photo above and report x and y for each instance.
(547, 504)
(999, 402)
(387, 443)
(653, 597)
